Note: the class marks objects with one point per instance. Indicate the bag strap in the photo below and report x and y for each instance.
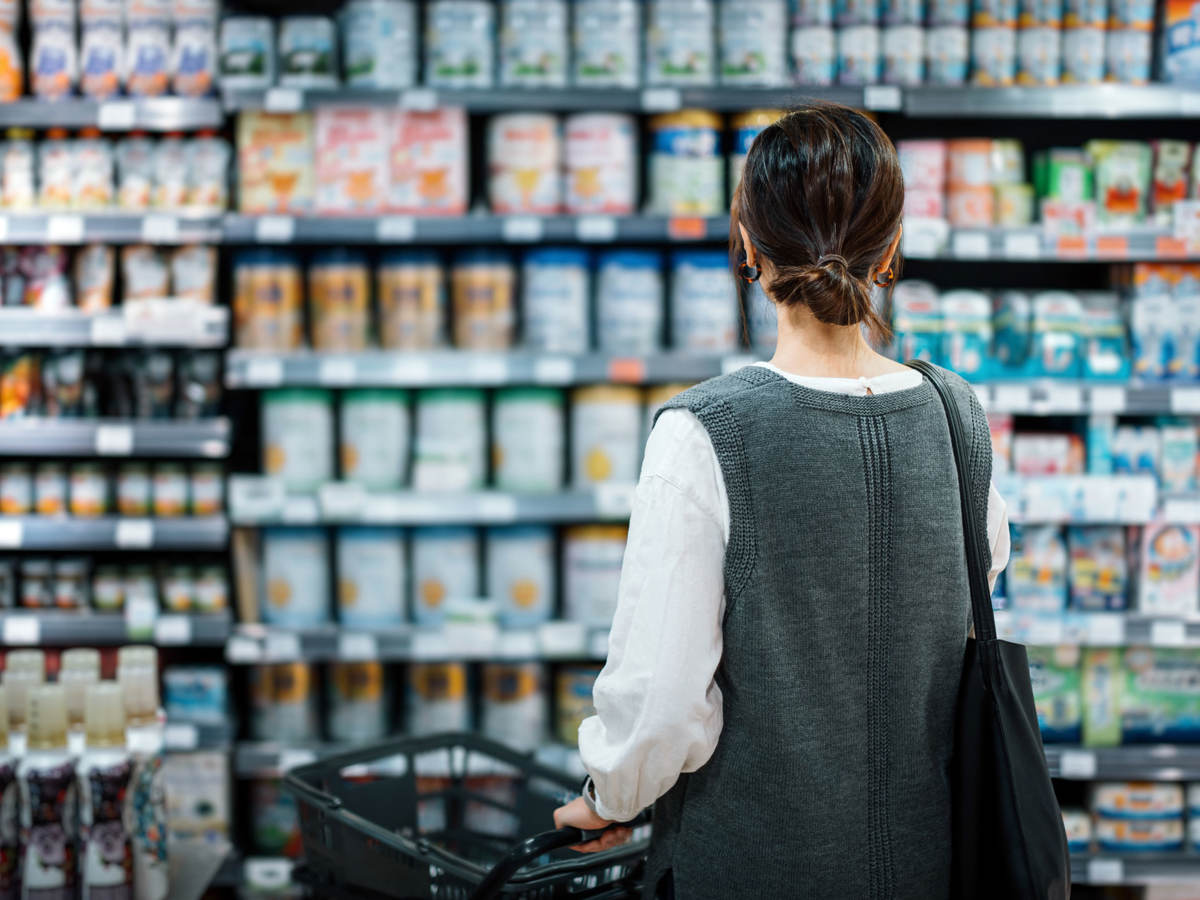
(981, 594)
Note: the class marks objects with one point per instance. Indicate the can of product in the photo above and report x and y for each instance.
(1008, 162)
(555, 291)
(679, 42)
(994, 13)
(520, 574)
(602, 163)
(971, 207)
(268, 300)
(372, 576)
(437, 698)
(170, 490)
(211, 594)
(527, 439)
(592, 557)
(686, 173)
(445, 565)
(812, 12)
(450, 448)
(746, 127)
(856, 12)
(37, 584)
(412, 301)
(133, 489)
(607, 43)
(1039, 55)
(902, 12)
(753, 38)
(994, 56)
(297, 429)
(629, 302)
(71, 584)
(108, 589)
(482, 287)
(533, 43)
(1014, 205)
(814, 54)
(1086, 13)
(141, 587)
(16, 489)
(307, 52)
(374, 432)
(283, 703)
(605, 435)
(1083, 55)
(94, 278)
(904, 54)
(704, 305)
(207, 489)
(524, 158)
(339, 292)
(50, 489)
(947, 55)
(295, 577)
(379, 43)
(574, 696)
(460, 39)
(247, 52)
(514, 704)
(858, 55)
(429, 162)
(970, 162)
(923, 163)
(1129, 53)
(178, 589)
(357, 702)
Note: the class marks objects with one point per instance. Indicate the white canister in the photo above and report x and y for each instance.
(994, 56)
(679, 42)
(297, 427)
(555, 290)
(1039, 55)
(704, 307)
(601, 159)
(904, 54)
(687, 172)
(606, 427)
(357, 701)
(450, 449)
(947, 55)
(295, 577)
(533, 43)
(372, 576)
(379, 43)
(515, 705)
(374, 425)
(754, 42)
(445, 565)
(814, 54)
(858, 54)
(629, 302)
(592, 557)
(527, 439)
(1083, 55)
(523, 163)
(520, 574)
(460, 38)
(247, 53)
(608, 41)
(308, 52)
(437, 699)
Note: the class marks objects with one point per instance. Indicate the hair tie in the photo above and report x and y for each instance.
(832, 257)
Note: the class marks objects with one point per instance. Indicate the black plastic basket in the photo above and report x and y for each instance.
(432, 817)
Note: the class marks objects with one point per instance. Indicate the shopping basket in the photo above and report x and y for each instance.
(444, 817)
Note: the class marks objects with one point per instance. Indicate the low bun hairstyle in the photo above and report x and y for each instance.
(821, 197)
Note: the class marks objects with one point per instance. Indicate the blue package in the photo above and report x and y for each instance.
(196, 694)
(1105, 350)
(1099, 567)
(917, 321)
(1012, 319)
(1057, 329)
(1038, 571)
(967, 333)
(1135, 450)
(1100, 432)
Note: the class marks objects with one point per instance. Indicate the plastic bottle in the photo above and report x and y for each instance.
(80, 669)
(47, 786)
(137, 673)
(104, 772)
(9, 822)
(23, 669)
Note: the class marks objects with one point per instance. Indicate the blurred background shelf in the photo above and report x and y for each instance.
(161, 323)
(1135, 868)
(68, 228)
(204, 438)
(51, 533)
(69, 628)
(147, 114)
(1156, 762)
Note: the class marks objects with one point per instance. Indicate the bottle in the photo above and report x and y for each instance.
(137, 673)
(80, 668)
(103, 775)
(24, 669)
(47, 788)
(10, 849)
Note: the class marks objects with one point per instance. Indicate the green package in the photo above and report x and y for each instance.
(1122, 181)
(1141, 695)
(1057, 692)
(1064, 175)
(1102, 697)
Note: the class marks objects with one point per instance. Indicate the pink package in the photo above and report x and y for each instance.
(924, 203)
(429, 162)
(1047, 454)
(923, 164)
(352, 160)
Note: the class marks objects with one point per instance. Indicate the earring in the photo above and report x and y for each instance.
(748, 272)
(888, 277)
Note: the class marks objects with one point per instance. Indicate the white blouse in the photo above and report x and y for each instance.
(658, 708)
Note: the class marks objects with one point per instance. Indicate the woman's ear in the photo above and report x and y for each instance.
(747, 246)
(889, 254)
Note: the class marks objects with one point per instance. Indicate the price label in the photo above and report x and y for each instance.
(1062, 398)
(64, 229)
(1022, 245)
(471, 640)
(300, 510)
(687, 228)
(114, 440)
(1105, 630)
(266, 371)
(1079, 764)
(140, 615)
(1181, 510)
(1187, 220)
(1105, 871)
(970, 245)
(291, 757)
(614, 501)
(268, 874)
(107, 331)
(562, 638)
(627, 371)
(173, 630)
(497, 508)
(135, 534)
(488, 370)
(521, 229)
(181, 736)
(1107, 400)
(596, 228)
(239, 649)
(1112, 246)
(1166, 247)
(357, 647)
(661, 99)
(1071, 246)
(342, 500)
(518, 644)
(282, 645)
(21, 631)
(1185, 400)
(12, 534)
(116, 115)
(883, 98)
(252, 498)
(1011, 398)
(419, 99)
(160, 229)
(283, 100)
(407, 370)
(337, 372)
(274, 229)
(1168, 633)
(396, 229)
(554, 370)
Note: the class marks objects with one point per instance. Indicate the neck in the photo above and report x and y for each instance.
(807, 346)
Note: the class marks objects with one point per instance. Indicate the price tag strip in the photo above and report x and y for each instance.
(181, 736)
(114, 440)
(21, 631)
(1077, 764)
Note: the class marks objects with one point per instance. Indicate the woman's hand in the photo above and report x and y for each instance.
(577, 814)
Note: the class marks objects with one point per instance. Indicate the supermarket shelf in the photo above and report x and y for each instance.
(108, 227)
(1097, 629)
(382, 368)
(205, 438)
(934, 239)
(1135, 868)
(1065, 397)
(53, 533)
(179, 736)
(1088, 499)
(1100, 101)
(148, 114)
(1156, 762)
(157, 322)
(252, 644)
(255, 500)
(63, 628)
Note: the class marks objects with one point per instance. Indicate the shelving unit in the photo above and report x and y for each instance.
(71, 228)
(1154, 762)
(70, 628)
(162, 323)
(51, 533)
(146, 114)
(201, 439)
(1135, 868)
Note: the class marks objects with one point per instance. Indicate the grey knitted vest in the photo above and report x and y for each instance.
(847, 614)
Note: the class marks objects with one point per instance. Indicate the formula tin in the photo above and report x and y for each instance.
(134, 490)
(1039, 55)
(533, 43)
(50, 489)
(283, 703)
(514, 704)
(753, 39)
(108, 588)
(573, 696)
(686, 172)
(601, 163)
(679, 42)
(411, 290)
(607, 43)
(437, 698)
(308, 52)
(374, 428)
(445, 565)
(994, 56)
(295, 573)
(297, 429)
(605, 435)
(16, 489)
(211, 589)
(814, 54)
(372, 576)
(704, 306)
(520, 574)
(527, 439)
(947, 55)
(450, 448)
(170, 489)
(379, 43)
(207, 489)
(178, 589)
(357, 701)
(524, 158)
(858, 55)
(555, 294)
(592, 557)
(460, 37)
(482, 290)
(629, 302)
(903, 54)
(1083, 51)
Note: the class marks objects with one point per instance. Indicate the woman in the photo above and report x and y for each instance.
(794, 608)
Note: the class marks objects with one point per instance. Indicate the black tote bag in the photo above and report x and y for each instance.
(1009, 840)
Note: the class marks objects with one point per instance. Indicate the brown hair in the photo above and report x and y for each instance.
(821, 197)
